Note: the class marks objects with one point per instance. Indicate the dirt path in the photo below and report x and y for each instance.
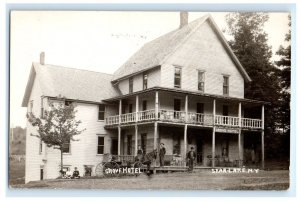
(204, 180)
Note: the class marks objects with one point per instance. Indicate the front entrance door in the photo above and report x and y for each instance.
(199, 150)
(114, 146)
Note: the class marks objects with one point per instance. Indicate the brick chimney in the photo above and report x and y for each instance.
(42, 58)
(184, 18)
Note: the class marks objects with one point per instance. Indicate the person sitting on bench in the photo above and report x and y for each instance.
(76, 174)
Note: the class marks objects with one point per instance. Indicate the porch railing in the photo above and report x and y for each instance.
(198, 118)
(171, 115)
(128, 118)
(226, 121)
(180, 117)
(112, 120)
(251, 123)
(146, 115)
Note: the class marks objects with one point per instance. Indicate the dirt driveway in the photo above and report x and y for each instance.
(201, 180)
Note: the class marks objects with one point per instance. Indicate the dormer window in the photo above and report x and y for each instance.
(225, 85)
(177, 77)
(131, 85)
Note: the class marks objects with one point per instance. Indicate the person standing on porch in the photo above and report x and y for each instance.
(191, 158)
(162, 153)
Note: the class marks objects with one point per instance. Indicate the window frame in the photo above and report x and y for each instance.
(69, 148)
(145, 81)
(225, 85)
(130, 82)
(180, 77)
(103, 145)
(203, 80)
(102, 111)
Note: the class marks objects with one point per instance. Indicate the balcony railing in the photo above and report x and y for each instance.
(226, 121)
(181, 117)
(251, 123)
(146, 115)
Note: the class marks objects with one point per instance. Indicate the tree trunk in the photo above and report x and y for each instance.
(61, 162)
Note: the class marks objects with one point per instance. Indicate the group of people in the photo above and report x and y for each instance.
(191, 156)
(72, 175)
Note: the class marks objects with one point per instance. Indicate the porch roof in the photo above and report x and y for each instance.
(226, 98)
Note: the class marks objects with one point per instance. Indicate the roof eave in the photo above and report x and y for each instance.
(29, 86)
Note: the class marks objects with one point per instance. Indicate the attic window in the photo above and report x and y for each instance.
(201, 81)
(145, 81)
(225, 85)
(177, 77)
(131, 85)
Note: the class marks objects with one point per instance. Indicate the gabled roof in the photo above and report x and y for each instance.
(69, 83)
(155, 52)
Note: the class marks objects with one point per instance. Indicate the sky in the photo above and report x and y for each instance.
(95, 40)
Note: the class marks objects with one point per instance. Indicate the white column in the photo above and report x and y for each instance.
(119, 127)
(186, 106)
(240, 137)
(155, 135)
(136, 108)
(136, 140)
(120, 110)
(263, 136)
(119, 140)
(156, 105)
(214, 134)
(136, 126)
(185, 140)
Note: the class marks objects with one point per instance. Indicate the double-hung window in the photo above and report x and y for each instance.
(177, 77)
(131, 85)
(145, 81)
(101, 112)
(100, 145)
(225, 85)
(201, 81)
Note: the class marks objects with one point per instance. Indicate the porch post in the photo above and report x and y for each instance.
(136, 126)
(119, 140)
(136, 107)
(262, 137)
(135, 139)
(213, 135)
(186, 106)
(155, 135)
(156, 105)
(185, 141)
(239, 137)
(119, 127)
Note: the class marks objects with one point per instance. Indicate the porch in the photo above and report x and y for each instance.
(158, 108)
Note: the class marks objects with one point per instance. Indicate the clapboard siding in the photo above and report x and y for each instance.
(203, 51)
(84, 151)
(34, 160)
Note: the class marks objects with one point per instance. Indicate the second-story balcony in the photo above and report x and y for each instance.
(181, 117)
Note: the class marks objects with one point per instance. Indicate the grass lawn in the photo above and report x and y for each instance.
(16, 172)
(199, 180)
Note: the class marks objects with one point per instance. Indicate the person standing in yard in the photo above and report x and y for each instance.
(162, 153)
(191, 158)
